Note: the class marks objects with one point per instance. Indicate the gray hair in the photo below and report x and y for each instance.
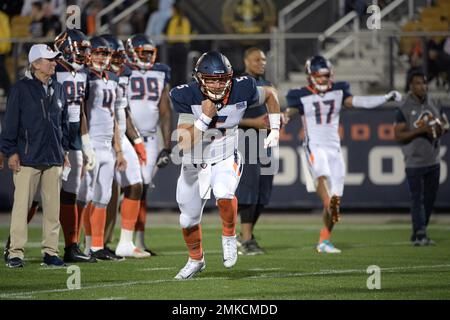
(31, 69)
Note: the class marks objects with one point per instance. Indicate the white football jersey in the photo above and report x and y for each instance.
(144, 93)
(100, 106)
(122, 100)
(320, 112)
(74, 84)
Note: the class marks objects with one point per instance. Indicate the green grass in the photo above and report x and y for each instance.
(291, 269)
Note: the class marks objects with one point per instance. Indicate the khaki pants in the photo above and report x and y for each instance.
(26, 182)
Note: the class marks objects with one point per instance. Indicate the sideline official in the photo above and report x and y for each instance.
(35, 142)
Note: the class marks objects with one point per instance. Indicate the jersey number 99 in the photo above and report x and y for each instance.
(139, 88)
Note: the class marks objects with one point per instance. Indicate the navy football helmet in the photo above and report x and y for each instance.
(141, 51)
(214, 74)
(319, 73)
(99, 46)
(118, 55)
(74, 47)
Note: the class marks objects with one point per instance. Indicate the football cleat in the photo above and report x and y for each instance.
(105, 254)
(130, 250)
(230, 254)
(250, 248)
(335, 202)
(73, 253)
(191, 268)
(327, 247)
(425, 241)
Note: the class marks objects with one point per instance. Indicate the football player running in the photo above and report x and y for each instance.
(105, 137)
(210, 109)
(130, 180)
(319, 105)
(148, 98)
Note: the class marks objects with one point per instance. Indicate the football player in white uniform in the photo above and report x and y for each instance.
(148, 98)
(105, 139)
(130, 180)
(209, 113)
(70, 72)
(319, 105)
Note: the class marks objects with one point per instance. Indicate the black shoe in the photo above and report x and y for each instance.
(113, 253)
(52, 261)
(15, 263)
(150, 251)
(6, 250)
(73, 253)
(105, 254)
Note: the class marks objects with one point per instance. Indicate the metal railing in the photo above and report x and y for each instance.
(352, 17)
(104, 11)
(125, 13)
(284, 25)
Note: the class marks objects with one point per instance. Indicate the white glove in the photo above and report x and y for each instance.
(88, 152)
(272, 139)
(393, 96)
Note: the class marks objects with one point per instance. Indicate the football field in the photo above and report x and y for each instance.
(291, 268)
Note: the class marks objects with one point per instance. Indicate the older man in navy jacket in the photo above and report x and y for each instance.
(35, 142)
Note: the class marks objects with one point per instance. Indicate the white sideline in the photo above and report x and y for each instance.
(262, 276)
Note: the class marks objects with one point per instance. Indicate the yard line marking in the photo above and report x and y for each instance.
(265, 269)
(176, 253)
(314, 227)
(156, 269)
(112, 298)
(261, 276)
(331, 272)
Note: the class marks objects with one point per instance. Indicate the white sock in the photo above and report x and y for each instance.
(95, 249)
(140, 243)
(126, 236)
(88, 243)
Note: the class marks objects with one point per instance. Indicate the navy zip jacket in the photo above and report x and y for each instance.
(36, 124)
